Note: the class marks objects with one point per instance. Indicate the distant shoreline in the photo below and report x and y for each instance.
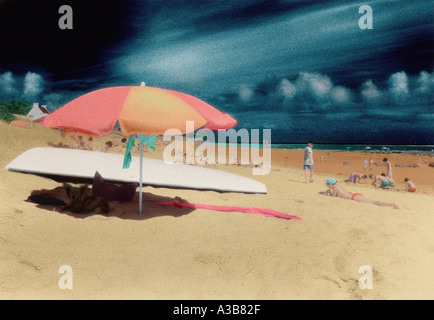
(360, 148)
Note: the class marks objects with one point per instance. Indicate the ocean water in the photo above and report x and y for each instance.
(360, 147)
(374, 148)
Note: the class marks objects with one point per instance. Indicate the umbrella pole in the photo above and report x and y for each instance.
(141, 178)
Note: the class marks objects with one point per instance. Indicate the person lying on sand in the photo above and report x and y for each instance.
(338, 191)
(356, 178)
(400, 165)
(409, 185)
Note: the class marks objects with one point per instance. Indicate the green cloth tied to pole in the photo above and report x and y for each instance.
(144, 139)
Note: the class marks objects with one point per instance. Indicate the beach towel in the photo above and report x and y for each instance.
(145, 139)
(263, 212)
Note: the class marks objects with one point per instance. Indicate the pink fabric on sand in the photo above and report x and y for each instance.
(263, 212)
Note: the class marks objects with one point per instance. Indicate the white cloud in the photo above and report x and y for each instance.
(317, 84)
(398, 84)
(370, 91)
(425, 83)
(341, 94)
(29, 88)
(245, 93)
(287, 89)
(7, 84)
(33, 85)
(312, 91)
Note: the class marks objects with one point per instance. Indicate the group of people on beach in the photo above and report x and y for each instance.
(76, 142)
(384, 180)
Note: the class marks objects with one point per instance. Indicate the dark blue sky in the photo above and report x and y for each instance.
(302, 68)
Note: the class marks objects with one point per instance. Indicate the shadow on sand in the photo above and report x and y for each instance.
(303, 182)
(126, 210)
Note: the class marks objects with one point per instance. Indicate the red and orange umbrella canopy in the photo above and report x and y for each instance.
(139, 110)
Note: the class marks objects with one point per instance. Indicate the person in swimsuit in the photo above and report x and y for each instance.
(386, 183)
(377, 179)
(409, 185)
(338, 191)
(389, 168)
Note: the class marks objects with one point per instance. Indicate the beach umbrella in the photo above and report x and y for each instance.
(139, 110)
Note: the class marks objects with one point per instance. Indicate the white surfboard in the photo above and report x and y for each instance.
(79, 166)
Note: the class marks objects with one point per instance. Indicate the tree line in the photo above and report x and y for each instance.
(7, 110)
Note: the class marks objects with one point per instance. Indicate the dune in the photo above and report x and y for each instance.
(181, 253)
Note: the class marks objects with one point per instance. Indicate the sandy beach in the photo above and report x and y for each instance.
(173, 253)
